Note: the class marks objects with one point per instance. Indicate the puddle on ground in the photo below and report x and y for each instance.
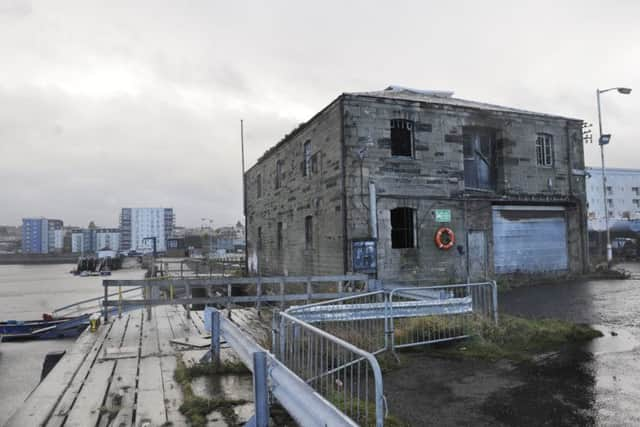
(614, 340)
(228, 387)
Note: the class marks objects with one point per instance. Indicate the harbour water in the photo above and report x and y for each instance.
(27, 291)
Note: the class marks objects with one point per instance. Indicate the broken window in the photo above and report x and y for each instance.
(609, 190)
(306, 167)
(479, 147)
(402, 228)
(279, 236)
(544, 149)
(308, 232)
(610, 202)
(278, 173)
(401, 137)
(259, 238)
(636, 202)
(636, 190)
(259, 185)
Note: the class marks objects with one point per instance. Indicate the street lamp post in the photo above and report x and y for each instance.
(602, 141)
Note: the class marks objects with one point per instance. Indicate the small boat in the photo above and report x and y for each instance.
(66, 327)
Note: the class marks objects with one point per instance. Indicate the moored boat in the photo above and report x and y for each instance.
(67, 327)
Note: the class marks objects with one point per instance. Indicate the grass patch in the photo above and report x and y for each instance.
(516, 338)
(196, 408)
(348, 407)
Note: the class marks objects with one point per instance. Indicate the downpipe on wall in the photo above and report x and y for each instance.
(373, 211)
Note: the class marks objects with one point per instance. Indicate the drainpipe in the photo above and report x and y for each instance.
(373, 211)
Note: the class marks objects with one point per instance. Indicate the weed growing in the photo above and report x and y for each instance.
(517, 339)
(196, 408)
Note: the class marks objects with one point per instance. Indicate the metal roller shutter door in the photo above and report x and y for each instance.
(531, 240)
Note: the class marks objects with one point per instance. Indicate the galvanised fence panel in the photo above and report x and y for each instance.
(341, 372)
(457, 312)
(358, 319)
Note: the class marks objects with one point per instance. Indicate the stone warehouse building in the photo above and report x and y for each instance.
(366, 184)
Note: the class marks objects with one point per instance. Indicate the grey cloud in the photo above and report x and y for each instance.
(108, 104)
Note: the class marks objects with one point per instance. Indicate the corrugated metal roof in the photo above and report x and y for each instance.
(446, 98)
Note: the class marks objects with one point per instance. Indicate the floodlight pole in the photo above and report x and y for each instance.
(601, 142)
(604, 182)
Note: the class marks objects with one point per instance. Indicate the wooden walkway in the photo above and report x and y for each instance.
(122, 374)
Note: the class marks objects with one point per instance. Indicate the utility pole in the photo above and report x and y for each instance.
(244, 199)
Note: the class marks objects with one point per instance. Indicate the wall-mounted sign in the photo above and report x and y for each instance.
(364, 256)
(443, 215)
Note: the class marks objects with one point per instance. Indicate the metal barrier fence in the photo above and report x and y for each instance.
(357, 319)
(344, 374)
(272, 376)
(194, 268)
(405, 316)
(432, 314)
(230, 291)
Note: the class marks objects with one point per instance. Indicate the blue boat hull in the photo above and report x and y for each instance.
(43, 329)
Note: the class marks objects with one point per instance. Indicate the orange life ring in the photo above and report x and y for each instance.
(445, 238)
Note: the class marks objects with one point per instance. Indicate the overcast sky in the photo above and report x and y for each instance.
(111, 104)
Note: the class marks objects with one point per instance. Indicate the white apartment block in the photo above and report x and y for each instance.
(623, 195)
(139, 225)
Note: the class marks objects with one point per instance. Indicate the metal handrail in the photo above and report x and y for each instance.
(330, 302)
(223, 281)
(306, 406)
(94, 299)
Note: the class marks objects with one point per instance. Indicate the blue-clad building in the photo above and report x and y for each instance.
(42, 235)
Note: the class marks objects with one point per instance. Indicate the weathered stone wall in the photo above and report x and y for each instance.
(434, 179)
(319, 194)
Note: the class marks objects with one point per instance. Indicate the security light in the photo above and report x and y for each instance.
(624, 90)
(604, 139)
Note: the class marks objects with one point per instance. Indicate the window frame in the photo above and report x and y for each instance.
(306, 158)
(308, 232)
(259, 186)
(279, 235)
(473, 155)
(409, 229)
(403, 124)
(278, 181)
(545, 154)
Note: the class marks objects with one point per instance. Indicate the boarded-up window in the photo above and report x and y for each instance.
(278, 173)
(315, 160)
(308, 232)
(279, 236)
(402, 228)
(479, 148)
(259, 185)
(401, 137)
(544, 150)
(306, 166)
